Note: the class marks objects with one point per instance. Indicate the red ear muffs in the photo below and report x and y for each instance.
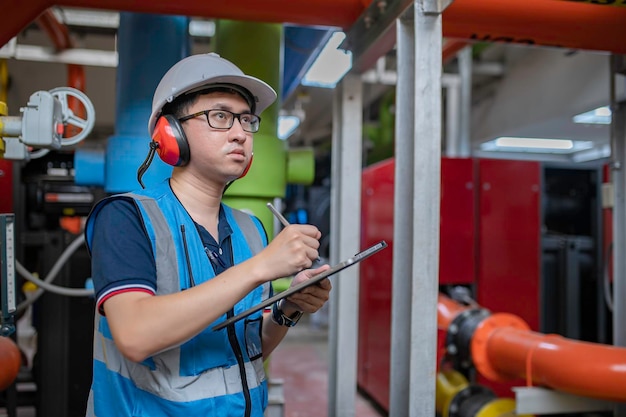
(172, 145)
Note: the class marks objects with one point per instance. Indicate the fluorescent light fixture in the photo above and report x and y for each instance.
(601, 116)
(331, 64)
(287, 125)
(540, 145)
(513, 142)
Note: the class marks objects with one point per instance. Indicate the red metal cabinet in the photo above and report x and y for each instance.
(490, 237)
(456, 265)
(509, 246)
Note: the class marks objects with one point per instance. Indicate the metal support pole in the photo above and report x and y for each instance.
(619, 231)
(619, 224)
(618, 156)
(426, 203)
(465, 71)
(403, 215)
(416, 252)
(345, 222)
(452, 139)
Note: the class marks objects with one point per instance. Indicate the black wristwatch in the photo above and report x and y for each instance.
(279, 317)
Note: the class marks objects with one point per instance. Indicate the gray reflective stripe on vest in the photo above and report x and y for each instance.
(249, 230)
(251, 233)
(212, 383)
(164, 249)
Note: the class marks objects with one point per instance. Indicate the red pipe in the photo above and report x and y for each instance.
(447, 310)
(504, 348)
(60, 37)
(10, 362)
(567, 24)
(580, 368)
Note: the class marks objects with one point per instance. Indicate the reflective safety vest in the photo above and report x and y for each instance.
(216, 373)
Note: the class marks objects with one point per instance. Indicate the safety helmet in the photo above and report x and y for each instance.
(197, 71)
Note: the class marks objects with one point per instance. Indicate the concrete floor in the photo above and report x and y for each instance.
(300, 362)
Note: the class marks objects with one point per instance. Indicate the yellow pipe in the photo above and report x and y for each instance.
(4, 81)
(499, 407)
(449, 384)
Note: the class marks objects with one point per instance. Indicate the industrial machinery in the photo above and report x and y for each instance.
(522, 285)
(48, 198)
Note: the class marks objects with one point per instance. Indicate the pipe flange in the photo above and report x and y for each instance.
(480, 341)
(459, 336)
(468, 401)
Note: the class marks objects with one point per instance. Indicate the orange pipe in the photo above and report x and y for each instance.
(567, 24)
(58, 33)
(504, 348)
(10, 362)
(60, 37)
(447, 310)
(580, 368)
(340, 13)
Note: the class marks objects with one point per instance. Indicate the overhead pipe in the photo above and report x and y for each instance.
(569, 24)
(563, 24)
(566, 24)
(60, 37)
(503, 348)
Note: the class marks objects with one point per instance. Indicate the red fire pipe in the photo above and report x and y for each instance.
(504, 348)
(10, 362)
(567, 24)
(447, 310)
(60, 37)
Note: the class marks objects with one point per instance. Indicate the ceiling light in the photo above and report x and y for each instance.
(513, 142)
(287, 125)
(541, 145)
(330, 65)
(601, 115)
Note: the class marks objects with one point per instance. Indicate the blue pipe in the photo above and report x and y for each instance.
(148, 45)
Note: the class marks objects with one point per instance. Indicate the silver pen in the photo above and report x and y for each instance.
(278, 215)
(285, 223)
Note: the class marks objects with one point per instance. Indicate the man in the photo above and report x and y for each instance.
(171, 261)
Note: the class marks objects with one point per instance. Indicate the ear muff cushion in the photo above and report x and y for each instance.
(168, 134)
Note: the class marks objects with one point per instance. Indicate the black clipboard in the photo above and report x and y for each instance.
(313, 280)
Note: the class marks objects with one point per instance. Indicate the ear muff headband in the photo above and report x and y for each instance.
(172, 145)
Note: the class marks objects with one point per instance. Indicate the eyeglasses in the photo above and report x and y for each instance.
(224, 119)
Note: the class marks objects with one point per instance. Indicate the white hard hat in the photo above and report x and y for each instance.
(196, 71)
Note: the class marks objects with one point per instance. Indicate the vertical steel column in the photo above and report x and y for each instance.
(452, 130)
(400, 354)
(618, 174)
(465, 71)
(345, 222)
(422, 246)
(619, 223)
